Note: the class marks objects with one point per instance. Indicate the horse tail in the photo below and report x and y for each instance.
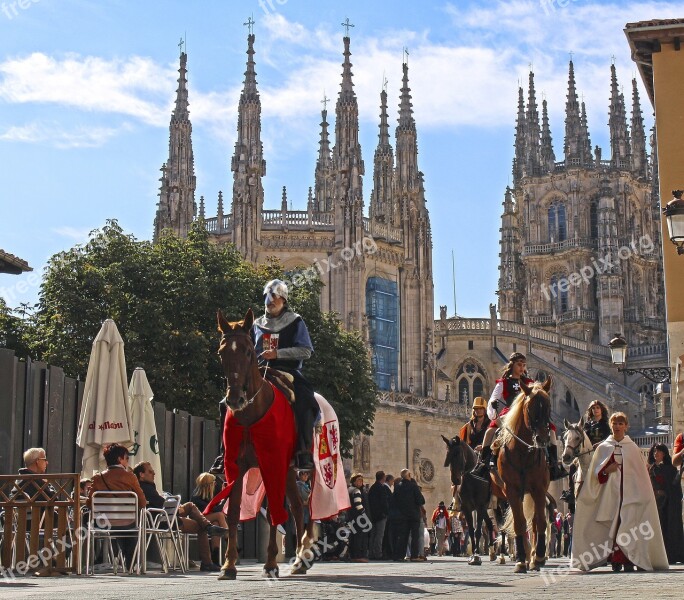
(528, 510)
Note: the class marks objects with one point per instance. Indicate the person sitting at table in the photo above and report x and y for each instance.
(190, 519)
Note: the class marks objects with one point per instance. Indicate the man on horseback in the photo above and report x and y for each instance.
(282, 342)
(505, 392)
(473, 432)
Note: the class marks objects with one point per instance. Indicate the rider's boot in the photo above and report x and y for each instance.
(556, 469)
(482, 467)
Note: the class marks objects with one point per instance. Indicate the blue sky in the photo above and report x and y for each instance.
(86, 90)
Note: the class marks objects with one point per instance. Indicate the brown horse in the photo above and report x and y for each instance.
(249, 396)
(523, 467)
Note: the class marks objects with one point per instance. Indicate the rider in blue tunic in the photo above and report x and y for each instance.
(282, 342)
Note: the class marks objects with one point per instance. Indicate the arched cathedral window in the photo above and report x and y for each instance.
(593, 220)
(558, 226)
(470, 382)
(558, 291)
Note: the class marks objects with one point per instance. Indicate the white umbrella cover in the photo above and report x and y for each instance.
(145, 442)
(105, 414)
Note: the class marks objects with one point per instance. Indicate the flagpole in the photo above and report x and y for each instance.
(453, 278)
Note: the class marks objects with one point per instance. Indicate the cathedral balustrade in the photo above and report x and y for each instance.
(227, 223)
(296, 219)
(211, 224)
(426, 403)
(380, 230)
(553, 247)
(465, 325)
(571, 316)
(511, 327)
(648, 350)
(542, 320)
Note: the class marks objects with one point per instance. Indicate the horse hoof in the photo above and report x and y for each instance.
(273, 573)
(227, 575)
(475, 560)
(502, 560)
(539, 562)
(299, 569)
(520, 568)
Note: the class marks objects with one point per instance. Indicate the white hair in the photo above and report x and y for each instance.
(32, 455)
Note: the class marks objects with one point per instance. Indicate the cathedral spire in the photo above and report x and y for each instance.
(585, 139)
(619, 135)
(639, 157)
(323, 176)
(510, 307)
(548, 157)
(520, 160)
(177, 208)
(574, 141)
(533, 131)
(381, 206)
(247, 164)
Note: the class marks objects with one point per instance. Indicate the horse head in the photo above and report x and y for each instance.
(537, 411)
(455, 458)
(573, 440)
(238, 358)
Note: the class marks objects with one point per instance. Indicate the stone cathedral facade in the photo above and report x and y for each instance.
(377, 270)
(580, 237)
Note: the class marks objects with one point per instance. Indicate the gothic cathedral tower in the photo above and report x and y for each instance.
(579, 241)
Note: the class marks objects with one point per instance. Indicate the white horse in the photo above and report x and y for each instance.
(577, 449)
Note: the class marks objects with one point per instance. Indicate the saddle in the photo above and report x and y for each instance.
(281, 380)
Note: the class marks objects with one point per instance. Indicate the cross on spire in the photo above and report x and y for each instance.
(612, 59)
(181, 43)
(384, 82)
(346, 24)
(250, 24)
(325, 101)
(571, 53)
(406, 54)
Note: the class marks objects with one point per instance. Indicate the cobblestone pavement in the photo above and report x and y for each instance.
(444, 577)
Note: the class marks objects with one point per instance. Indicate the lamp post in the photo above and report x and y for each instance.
(618, 354)
(674, 215)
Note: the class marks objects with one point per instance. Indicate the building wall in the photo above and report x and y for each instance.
(668, 82)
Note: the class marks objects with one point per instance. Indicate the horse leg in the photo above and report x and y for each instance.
(474, 558)
(539, 527)
(520, 527)
(491, 538)
(271, 570)
(502, 548)
(304, 557)
(228, 570)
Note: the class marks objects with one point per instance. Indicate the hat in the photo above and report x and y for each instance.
(275, 287)
(479, 402)
(354, 476)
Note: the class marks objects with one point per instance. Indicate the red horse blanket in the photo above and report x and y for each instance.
(274, 439)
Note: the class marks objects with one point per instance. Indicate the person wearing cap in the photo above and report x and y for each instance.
(473, 432)
(442, 524)
(505, 392)
(282, 342)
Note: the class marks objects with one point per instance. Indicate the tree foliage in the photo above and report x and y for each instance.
(163, 298)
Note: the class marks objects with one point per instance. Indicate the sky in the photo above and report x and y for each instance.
(87, 88)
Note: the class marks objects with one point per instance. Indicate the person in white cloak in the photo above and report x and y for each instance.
(616, 518)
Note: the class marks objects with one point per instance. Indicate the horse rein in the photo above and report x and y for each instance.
(575, 453)
(263, 378)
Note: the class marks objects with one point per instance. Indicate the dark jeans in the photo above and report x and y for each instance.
(388, 540)
(358, 544)
(125, 542)
(404, 527)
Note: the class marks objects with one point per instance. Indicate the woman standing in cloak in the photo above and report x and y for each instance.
(668, 494)
(616, 519)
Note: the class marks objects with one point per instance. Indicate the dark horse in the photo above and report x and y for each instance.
(474, 493)
(523, 467)
(249, 396)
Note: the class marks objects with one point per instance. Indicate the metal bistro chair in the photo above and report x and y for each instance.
(118, 509)
(162, 524)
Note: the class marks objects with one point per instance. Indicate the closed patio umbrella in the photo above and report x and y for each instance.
(145, 443)
(105, 414)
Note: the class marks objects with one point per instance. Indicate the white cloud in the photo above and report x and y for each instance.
(81, 137)
(73, 233)
(136, 87)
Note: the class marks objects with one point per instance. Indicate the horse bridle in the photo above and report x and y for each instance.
(263, 377)
(576, 449)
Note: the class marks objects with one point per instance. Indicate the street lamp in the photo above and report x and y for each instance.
(674, 215)
(618, 354)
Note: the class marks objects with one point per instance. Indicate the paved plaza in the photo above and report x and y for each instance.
(440, 577)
